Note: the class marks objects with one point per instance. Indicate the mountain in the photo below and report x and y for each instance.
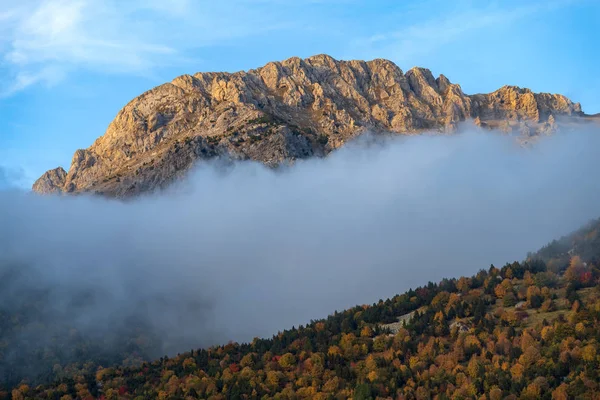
(527, 330)
(283, 111)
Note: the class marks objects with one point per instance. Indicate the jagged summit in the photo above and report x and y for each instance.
(52, 181)
(287, 110)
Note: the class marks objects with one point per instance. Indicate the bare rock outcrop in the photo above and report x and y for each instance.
(52, 181)
(281, 112)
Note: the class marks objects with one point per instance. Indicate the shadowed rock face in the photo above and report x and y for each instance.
(281, 112)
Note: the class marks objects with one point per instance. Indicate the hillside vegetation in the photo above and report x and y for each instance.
(527, 330)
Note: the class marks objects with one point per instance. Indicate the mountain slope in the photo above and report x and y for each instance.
(526, 330)
(284, 111)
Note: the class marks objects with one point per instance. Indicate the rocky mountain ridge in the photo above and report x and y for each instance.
(283, 111)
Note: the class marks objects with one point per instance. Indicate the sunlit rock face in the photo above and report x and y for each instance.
(284, 111)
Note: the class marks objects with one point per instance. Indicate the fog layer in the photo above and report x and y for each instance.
(248, 251)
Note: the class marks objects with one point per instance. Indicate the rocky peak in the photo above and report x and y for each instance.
(52, 181)
(442, 82)
(283, 111)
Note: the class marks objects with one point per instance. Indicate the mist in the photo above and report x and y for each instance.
(244, 251)
(10, 177)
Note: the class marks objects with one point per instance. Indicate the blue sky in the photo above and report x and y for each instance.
(68, 66)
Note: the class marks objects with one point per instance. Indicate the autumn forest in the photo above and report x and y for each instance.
(526, 330)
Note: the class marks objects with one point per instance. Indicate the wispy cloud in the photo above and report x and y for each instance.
(44, 40)
(427, 35)
(68, 30)
(11, 178)
(23, 79)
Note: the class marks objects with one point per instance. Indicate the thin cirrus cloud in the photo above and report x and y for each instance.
(42, 41)
(47, 39)
(428, 35)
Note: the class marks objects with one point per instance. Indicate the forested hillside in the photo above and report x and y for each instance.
(39, 343)
(526, 330)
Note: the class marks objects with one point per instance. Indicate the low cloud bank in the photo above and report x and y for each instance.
(230, 255)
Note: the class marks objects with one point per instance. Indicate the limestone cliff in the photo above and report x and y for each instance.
(287, 110)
